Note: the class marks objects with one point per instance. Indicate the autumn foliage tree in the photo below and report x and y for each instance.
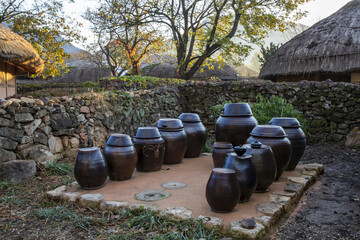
(122, 25)
(200, 28)
(44, 25)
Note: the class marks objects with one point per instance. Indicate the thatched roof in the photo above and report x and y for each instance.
(16, 51)
(329, 46)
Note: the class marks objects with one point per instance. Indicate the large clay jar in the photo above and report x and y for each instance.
(150, 147)
(222, 190)
(172, 131)
(90, 170)
(296, 136)
(196, 134)
(275, 137)
(219, 153)
(235, 124)
(264, 162)
(245, 172)
(120, 156)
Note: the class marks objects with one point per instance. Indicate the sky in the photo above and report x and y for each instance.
(317, 10)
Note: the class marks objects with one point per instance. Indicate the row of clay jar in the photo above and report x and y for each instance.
(168, 143)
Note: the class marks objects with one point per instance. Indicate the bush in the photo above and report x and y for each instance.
(264, 109)
(145, 82)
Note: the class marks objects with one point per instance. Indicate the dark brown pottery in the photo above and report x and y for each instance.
(150, 147)
(172, 131)
(196, 134)
(274, 137)
(265, 165)
(245, 172)
(296, 136)
(120, 156)
(90, 170)
(222, 190)
(235, 124)
(220, 151)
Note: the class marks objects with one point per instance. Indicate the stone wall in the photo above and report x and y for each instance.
(331, 109)
(43, 129)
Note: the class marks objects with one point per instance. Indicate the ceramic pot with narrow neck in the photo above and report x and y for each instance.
(120, 156)
(196, 134)
(235, 124)
(150, 147)
(172, 131)
(91, 170)
(245, 172)
(219, 153)
(264, 162)
(222, 190)
(296, 136)
(276, 138)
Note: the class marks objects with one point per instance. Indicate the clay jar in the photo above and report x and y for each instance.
(245, 172)
(196, 134)
(222, 190)
(90, 170)
(150, 147)
(120, 156)
(296, 136)
(264, 162)
(219, 153)
(172, 131)
(235, 124)
(274, 137)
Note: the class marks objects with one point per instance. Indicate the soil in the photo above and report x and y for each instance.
(329, 210)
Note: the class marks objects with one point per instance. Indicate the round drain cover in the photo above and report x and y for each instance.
(151, 195)
(173, 185)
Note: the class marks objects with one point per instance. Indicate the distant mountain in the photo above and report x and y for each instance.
(69, 49)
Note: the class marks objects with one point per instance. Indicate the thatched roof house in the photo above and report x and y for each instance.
(328, 49)
(16, 55)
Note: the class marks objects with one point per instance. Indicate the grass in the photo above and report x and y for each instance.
(59, 169)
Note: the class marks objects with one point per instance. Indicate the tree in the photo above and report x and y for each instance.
(200, 28)
(44, 25)
(266, 52)
(121, 25)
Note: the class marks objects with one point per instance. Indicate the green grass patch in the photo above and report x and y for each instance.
(59, 169)
(145, 82)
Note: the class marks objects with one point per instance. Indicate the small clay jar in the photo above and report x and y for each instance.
(222, 190)
(235, 124)
(276, 138)
(296, 136)
(265, 165)
(219, 153)
(245, 172)
(196, 134)
(91, 170)
(120, 156)
(172, 131)
(150, 147)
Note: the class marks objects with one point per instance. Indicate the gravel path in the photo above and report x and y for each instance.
(331, 209)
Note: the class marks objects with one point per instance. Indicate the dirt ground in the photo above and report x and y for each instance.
(329, 210)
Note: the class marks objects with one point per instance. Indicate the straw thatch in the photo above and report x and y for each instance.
(18, 52)
(331, 46)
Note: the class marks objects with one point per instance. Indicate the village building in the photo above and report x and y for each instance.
(17, 57)
(330, 49)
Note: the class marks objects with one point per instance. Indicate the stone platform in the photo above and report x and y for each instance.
(190, 202)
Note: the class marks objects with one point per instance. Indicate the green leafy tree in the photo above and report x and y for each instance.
(201, 28)
(45, 26)
(266, 52)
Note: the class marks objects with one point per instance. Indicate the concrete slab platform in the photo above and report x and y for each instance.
(195, 172)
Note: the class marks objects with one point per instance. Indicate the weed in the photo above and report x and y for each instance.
(58, 168)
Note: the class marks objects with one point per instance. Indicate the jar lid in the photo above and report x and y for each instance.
(170, 123)
(256, 144)
(89, 149)
(147, 132)
(225, 145)
(237, 110)
(271, 131)
(119, 140)
(240, 150)
(189, 117)
(285, 122)
(223, 171)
